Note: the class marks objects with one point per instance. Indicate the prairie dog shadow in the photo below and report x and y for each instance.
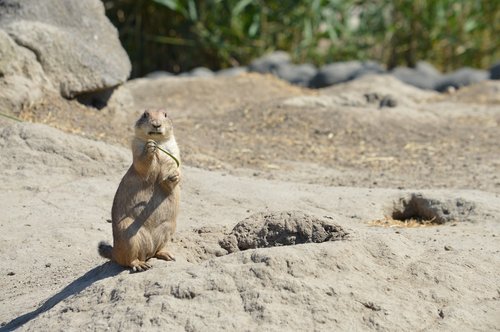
(100, 272)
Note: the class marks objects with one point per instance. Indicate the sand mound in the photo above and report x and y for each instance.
(376, 91)
(262, 230)
(382, 85)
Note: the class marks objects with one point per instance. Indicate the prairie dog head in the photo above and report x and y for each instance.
(155, 125)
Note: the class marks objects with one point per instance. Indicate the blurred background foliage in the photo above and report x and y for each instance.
(178, 35)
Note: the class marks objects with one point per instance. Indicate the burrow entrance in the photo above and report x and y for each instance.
(416, 210)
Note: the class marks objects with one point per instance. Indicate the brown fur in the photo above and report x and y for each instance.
(146, 203)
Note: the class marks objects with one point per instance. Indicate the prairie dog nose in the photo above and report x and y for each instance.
(156, 125)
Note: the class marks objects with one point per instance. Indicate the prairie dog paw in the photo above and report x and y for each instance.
(150, 147)
(174, 178)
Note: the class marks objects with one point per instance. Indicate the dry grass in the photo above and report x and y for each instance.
(409, 223)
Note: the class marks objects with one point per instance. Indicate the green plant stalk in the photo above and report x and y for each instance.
(170, 155)
(10, 117)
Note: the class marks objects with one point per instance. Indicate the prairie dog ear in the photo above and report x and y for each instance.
(145, 114)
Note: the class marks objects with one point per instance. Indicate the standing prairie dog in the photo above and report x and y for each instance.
(147, 200)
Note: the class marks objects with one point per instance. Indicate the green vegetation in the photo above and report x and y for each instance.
(177, 35)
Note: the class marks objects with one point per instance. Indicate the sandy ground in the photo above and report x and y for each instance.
(254, 146)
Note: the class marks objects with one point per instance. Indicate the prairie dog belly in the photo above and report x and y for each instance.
(146, 202)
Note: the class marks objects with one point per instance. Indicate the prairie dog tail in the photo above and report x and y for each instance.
(105, 249)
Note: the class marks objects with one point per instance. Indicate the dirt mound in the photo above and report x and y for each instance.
(382, 85)
(368, 91)
(272, 229)
(185, 96)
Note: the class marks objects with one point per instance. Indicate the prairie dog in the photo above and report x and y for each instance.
(146, 202)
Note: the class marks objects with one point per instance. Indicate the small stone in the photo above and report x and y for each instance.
(11, 273)
(372, 306)
(388, 101)
(48, 265)
(441, 313)
(448, 248)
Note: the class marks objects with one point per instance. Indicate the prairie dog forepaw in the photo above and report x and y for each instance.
(174, 178)
(150, 147)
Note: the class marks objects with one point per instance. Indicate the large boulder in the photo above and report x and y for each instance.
(21, 76)
(72, 42)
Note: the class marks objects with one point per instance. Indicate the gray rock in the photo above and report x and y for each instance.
(382, 100)
(73, 41)
(418, 78)
(269, 62)
(21, 76)
(201, 72)
(428, 69)
(495, 71)
(262, 230)
(368, 67)
(197, 72)
(388, 101)
(233, 71)
(340, 72)
(296, 74)
(159, 74)
(335, 73)
(462, 77)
